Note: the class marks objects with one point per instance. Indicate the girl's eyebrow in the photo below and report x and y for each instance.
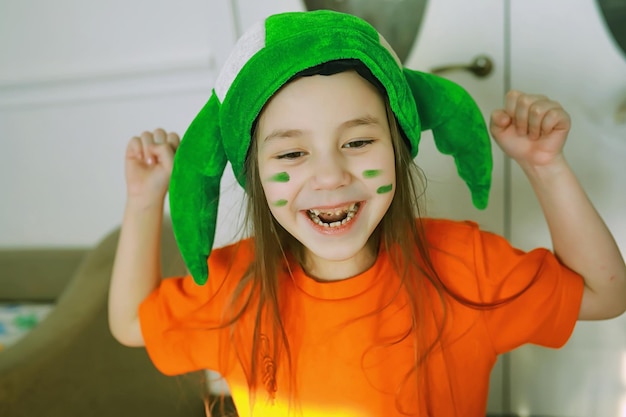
(358, 121)
(283, 133)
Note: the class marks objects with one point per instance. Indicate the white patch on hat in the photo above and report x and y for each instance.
(388, 47)
(251, 42)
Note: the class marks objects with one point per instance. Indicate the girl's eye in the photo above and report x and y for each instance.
(291, 155)
(360, 143)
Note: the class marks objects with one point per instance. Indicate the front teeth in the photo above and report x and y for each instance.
(350, 213)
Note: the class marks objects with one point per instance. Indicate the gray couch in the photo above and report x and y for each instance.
(69, 365)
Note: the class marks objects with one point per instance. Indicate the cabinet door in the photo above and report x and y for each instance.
(564, 49)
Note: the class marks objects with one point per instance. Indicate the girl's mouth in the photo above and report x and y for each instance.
(335, 217)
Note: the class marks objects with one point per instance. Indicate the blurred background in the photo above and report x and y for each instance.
(79, 78)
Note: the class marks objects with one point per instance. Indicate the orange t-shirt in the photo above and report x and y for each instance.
(350, 349)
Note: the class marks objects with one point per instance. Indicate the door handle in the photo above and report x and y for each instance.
(481, 67)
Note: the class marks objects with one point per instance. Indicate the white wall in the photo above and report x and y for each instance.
(77, 80)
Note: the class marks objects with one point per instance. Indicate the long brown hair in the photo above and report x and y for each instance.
(400, 233)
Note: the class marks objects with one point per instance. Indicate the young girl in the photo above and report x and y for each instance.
(345, 300)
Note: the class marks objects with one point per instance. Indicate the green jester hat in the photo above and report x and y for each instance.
(267, 56)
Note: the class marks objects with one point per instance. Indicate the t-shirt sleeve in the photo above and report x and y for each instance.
(527, 297)
(183, 323)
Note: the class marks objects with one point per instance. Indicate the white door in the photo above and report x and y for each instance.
(563, 49)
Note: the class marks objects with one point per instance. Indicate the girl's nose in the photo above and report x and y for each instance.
(329, 171)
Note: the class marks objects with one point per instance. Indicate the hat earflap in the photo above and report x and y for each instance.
(199, 164)
(458, 127)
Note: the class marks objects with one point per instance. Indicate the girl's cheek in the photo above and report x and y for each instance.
(372, 173)
(279, 177)
(380, 178)
(277, 187)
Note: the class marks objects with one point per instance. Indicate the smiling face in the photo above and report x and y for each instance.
(326, 164)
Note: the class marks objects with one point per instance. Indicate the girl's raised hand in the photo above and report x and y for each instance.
(531, 129)
(149, 160)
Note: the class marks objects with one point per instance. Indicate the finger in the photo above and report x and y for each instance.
(512, 107)
(555, 119)
(173, 140)
(500, 120)
(536, 114)
(135, 148)
(510, 101)
(147, 140)
(522, 106)
(159, 135)
(522, 111)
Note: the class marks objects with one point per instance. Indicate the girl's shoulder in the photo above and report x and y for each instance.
(440, 230)
(466, 239)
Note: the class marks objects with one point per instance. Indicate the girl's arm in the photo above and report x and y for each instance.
(532, 130)
(137, 266)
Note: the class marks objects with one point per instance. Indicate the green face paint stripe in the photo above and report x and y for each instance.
(280, 203)
(384, 189)
(371, 173)
(280, 177)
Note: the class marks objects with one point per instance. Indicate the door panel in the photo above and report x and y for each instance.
(572, 58)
